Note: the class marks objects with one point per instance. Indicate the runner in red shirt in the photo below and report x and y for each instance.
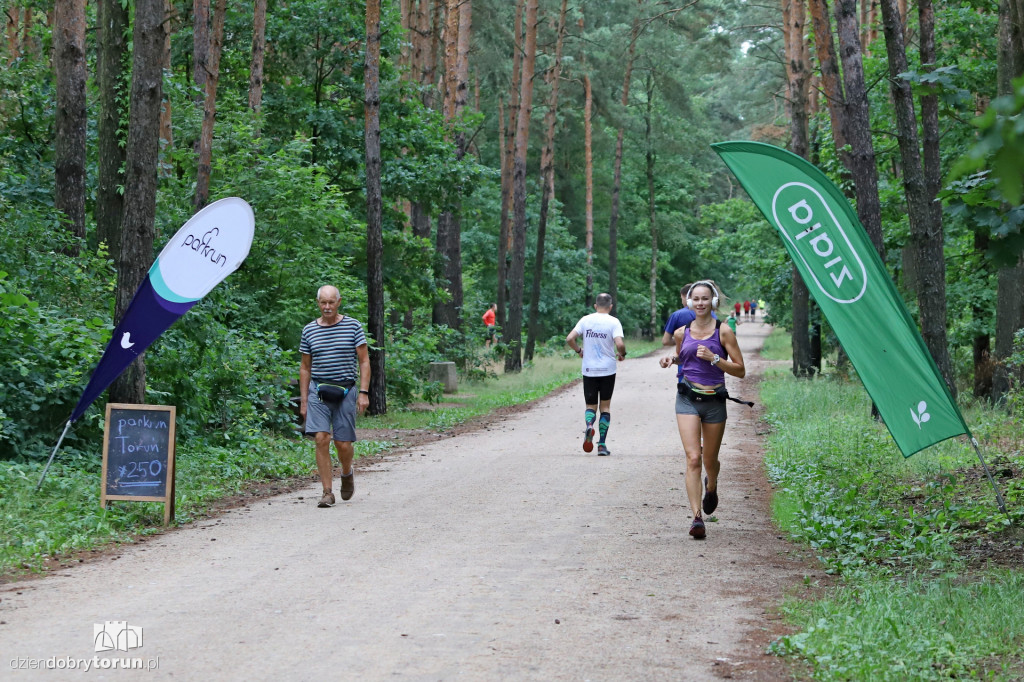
(488, 318)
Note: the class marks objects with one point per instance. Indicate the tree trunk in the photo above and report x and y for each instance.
(166, 130)
(1010, 280)
(857, 121)
(868, 24)
(449, 224)
(505, 233)
(259, 48)
(11, 29)
(981, 346)
(513, 331)
(588, 170)
(69, 145)
(651, 212)
(202, 195)
(374, 213)
(422, 67)
(547, 172)
(110, 67)
(828, 64)
(142, 155)
(451, 48)
(613, 222)
(462, 56)
(802, 362)
(798, 76)
(200, 44)
(926, 233)
(1009, 319)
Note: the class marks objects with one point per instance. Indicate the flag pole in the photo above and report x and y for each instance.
(52, 454)
(999, 497)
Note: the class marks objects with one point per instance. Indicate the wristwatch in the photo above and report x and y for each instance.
(715, 361)
(362, 391)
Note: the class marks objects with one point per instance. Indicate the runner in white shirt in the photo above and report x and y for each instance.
(602, 348)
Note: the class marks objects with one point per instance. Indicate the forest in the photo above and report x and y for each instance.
(430, 157)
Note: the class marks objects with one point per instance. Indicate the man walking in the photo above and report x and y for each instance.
(602, 347)
(331, 346)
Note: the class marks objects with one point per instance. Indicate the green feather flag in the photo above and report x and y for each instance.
(848, 280)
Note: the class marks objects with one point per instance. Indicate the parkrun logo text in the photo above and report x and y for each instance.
(819, 240)
(203, 248)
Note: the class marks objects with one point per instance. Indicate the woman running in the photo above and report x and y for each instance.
(705, 352)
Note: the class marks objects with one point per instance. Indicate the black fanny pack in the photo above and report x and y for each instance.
(335, 392)
(719, 396)
(690, 393)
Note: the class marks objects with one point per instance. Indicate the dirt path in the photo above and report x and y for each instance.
(502, 554)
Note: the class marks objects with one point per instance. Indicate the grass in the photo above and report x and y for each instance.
(913, 600)
(64, 516)
(777, 346)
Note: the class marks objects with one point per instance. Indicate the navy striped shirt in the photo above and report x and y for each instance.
(333, 348)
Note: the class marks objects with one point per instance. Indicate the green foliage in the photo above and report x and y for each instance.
(863, 508)
(410, 355)
(913, 630)
(898, 532)
(65, 515)
(53, 325)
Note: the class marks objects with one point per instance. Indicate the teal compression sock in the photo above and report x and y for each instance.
(602, 427)
(590, 416)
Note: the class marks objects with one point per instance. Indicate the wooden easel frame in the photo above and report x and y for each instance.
(168, 497)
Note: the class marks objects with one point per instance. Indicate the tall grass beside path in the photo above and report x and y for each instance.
(914, 600)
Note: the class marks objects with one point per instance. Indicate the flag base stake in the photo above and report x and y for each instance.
(53, 454)
(999, 497)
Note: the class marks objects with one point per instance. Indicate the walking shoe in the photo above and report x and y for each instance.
(697, 528)
(327, 500)
(588, 439)
(602, 450)
(348, 486)
(710, 502)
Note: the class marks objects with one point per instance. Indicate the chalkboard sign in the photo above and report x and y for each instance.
(138, 455)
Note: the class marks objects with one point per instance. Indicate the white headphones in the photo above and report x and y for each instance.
(704, 282)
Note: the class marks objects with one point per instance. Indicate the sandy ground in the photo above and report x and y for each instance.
(502, 554)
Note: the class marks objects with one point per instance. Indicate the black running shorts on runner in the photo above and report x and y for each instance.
(596, 389)
(709, 411)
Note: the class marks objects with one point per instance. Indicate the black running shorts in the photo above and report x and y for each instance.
(596, 389)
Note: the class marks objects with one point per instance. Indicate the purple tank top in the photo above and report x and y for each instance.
(697, 370)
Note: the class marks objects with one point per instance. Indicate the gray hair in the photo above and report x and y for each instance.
(320, 291)
(603, 301)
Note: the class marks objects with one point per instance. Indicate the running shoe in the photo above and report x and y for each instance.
(697, 528)
(602, 450)
(710, 502)
(327, 500)
(588, 439)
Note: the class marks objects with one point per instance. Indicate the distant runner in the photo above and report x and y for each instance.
(488, 318)
(602, 347)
